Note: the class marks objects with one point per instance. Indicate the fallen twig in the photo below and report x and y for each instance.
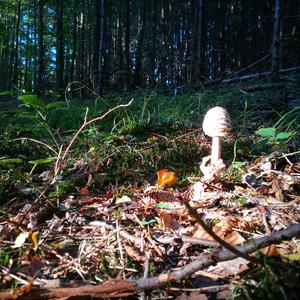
(124, 288)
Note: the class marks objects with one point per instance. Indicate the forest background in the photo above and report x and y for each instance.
(123, 45)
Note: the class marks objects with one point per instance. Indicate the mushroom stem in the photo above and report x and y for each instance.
(215, 149)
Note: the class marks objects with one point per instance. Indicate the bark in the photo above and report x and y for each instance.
(35, 41)
(119, 48)
(80, 62)
(139, 51)
(276, 41)
(197, 52)
(74, 42)
(59, 47)
(153, 51)
(241, 39)
(16, 46)
(100, 45)
(27, 83)
(127, 41)
(40, 61)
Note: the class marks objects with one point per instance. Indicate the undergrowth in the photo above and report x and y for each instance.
(130, 145)
(269, 282)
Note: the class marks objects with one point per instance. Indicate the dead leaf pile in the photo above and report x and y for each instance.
(148, 232)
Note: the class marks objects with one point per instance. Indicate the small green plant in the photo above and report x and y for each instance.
(271, 136)
(269, 282)
(290, 120)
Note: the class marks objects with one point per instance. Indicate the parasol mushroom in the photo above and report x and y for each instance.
(216, 124)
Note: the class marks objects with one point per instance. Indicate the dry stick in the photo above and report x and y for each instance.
(59, 161)
(223, 243)
(223, 255)
(124, 288)
(38, 142)
(162, 240)
(86, 123)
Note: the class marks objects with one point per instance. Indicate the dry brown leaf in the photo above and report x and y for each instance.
(234, 238)
(277, 190)
(123, 199)
(231, 267)
(231, 222)
(270, 250)
(135, 254)
(192, 296)
(23, 289)
(168, 221)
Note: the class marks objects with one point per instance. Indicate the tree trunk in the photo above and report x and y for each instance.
(276, 40)
(139, 50)
(152, 51)
(40, 62)
(59, 48)
(16, 46)
(73, 66)
(80, 62)
(127, 42)
(35, 42)
(197, 51)
(98, 44)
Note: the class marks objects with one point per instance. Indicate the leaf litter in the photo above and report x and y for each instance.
(149, 233)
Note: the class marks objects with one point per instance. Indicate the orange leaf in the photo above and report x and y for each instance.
(165, 177)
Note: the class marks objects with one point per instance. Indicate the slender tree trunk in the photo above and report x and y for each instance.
(165, 40)
(5, 53)
(59, 47)
(119, 50)
(35, 42)
(276, 40)
(73, 66)
(16, 46)
(67, 65)
(197, 51)
(99, 43)
(127, 42)
(139, 50)
(153, 51)
(40, 62)
(241, 38)
(80, 61)
(96, 39)
(26, 82)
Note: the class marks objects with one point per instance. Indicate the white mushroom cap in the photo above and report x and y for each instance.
(217, 122)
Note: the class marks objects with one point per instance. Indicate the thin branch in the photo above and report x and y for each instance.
(223, 243)
(87, 123)
(38, 142)
(123, 288)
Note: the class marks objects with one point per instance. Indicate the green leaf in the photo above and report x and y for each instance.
(283, 136)
(238, 164)
(32, 100)
(56, 104)
(8, 161)
(163, 205)
(41, 161)
(266, 132)
(3, 93)
(151, 221)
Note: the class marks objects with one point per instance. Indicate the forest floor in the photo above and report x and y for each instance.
(120, 208)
